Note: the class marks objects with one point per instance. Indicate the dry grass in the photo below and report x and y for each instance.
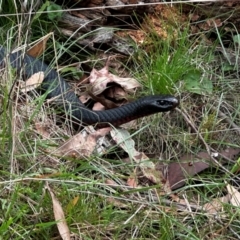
(97, 190)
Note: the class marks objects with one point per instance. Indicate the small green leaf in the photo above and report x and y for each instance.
(194, 83)
(236, 39)
(52, 14)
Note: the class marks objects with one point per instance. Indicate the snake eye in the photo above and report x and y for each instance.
(162, 102)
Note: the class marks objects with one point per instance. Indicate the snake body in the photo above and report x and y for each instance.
(56, 87)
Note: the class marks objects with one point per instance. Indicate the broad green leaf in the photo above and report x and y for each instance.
(194, 83)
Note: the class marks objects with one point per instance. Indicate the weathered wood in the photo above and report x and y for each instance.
(102, 23)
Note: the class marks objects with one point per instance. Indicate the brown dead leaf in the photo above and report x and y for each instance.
(42, 130)
(111, 182)
(103, 102)
(216, 205)
(84, 97)
(132, 182)
(75, 146)
(100, 79)
(81, 144)
(98, 107)
(178, 172)
(116, 203)
(138, 36)
(117, 93)
(175, 198)
(59, 216)
(211, 23)
(234, 195)
(115, 88)
(39, 46)
(32, 83)
(194, 17)
(190, 165)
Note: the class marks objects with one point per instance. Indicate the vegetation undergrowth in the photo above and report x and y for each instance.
(165, 56)
(104, 194)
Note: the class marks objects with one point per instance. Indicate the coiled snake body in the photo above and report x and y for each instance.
(56, 87)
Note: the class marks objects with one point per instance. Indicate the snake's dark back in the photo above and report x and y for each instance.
(65, 99)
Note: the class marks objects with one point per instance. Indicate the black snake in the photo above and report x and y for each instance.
(56, 87)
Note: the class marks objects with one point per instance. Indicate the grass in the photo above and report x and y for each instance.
(93, 190)
(164, 57)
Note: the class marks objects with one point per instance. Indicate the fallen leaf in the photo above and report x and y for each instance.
(234, 195)
(116, 89)
(84, 97)
(216, 205)
(59, 216)
(190, 165)
(42, 130)
(32, 83)
(210, 23)
(101, 78)
(98, 107)
(117, 93)
(178, 172)
(111, 182)
(39, 46)
(194, 17)
(132, 182)
(230, 3)
(81, 144)
(105, 103)
(124, 140)
(116, 203)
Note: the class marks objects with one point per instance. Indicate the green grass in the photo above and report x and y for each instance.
(167, 63)
(94, 209)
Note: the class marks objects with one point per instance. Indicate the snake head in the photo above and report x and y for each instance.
(166, 103)
(160, 103)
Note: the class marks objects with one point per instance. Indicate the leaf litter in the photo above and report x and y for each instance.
(177, 173)
(86, 143)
